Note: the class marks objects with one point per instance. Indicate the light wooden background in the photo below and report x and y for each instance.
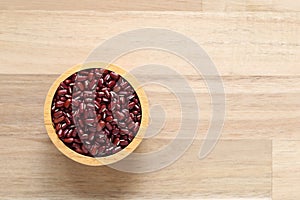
(255, 45)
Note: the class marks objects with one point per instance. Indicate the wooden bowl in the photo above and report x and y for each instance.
(96, 161)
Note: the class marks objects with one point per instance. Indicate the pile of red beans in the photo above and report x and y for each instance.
(96, 112)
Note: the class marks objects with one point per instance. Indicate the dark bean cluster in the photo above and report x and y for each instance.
(96, 112)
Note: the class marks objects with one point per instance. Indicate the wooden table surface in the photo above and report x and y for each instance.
(254, 44)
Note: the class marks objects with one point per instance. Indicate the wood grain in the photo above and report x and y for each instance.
(251, 5)
(103, 5)
(238, 43)
(259, 113)
(38, 170)
(286, 165)
(254, 44)
(156, 5)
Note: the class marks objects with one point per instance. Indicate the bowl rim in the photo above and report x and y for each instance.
(96, 161)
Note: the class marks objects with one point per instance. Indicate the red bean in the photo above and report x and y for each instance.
(68, 133)
(64, 126)
(130, 126)
(111, 84)
(60, 119)
(90, 76)
(77, 94)
(59, 104)
(81, 78)
(88, 121)
(62, 92)
(81, 123)
(119, 115)
(131, 105)
(109, 118)
(63, 85)
(68, 121)
(107, 78)
(103, 108)
(101, 94)
(100, 82)
(84, 150)
(57, 114)
(78, 150)
(114, 75)
(68, 140)
(93, 84)
(80, 86)
(124, 143)
(60, 133)
(97, 104)
(67, 103)
(108, 126)
(116, 141)
(96, 119)
(107, 94)
(94, 150)
(105, 100)
(57, 127)
(91, 137)
(117, 89)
